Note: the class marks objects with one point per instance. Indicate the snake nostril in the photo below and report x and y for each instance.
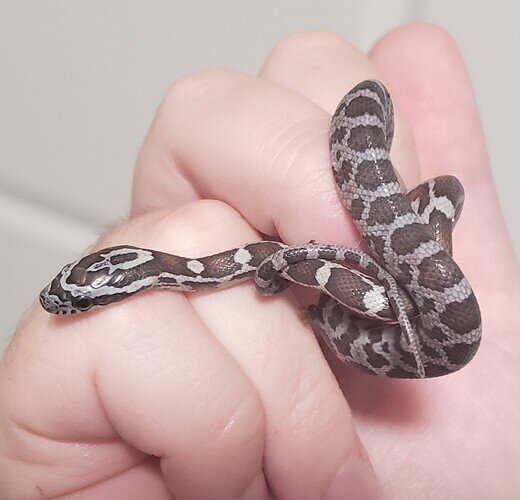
(46, 301)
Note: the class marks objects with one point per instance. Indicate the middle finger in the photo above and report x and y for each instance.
(255, 145)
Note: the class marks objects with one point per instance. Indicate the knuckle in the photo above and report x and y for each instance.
(432, 32)
(192, 85)
(209, 215)
(206, 214)
(205, 226)
(427, 37)
(301, 42)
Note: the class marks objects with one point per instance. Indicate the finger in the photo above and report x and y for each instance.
(309, 431)
(430, 83)
(111, 388)
(323, 67)
(257, 146)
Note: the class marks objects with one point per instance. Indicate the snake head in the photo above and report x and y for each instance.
(100, 278)
(58, 299)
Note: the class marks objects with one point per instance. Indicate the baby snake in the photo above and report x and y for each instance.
(405, 310)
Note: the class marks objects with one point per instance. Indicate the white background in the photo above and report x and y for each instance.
(80, 81)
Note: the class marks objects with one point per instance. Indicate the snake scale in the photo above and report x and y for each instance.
(402, 309)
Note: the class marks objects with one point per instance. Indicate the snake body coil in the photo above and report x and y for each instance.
(405, 311)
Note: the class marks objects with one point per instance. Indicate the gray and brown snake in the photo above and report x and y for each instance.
(404, 310)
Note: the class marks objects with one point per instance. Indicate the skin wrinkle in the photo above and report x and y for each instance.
(299, 396)
(71, 466)
(54, 439)
(225, 422)
(289, 156)
(305, 408)
(322, 190)
(148, 459)
(276, 134)
(292, 180)
(292, 173)
(48, 437)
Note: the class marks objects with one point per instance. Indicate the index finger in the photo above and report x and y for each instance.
(256, 145)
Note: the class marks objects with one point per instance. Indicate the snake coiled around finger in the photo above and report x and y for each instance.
(401, 309)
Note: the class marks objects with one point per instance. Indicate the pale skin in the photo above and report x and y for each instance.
(226, 394)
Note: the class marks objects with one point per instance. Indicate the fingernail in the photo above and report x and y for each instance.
(355, 480)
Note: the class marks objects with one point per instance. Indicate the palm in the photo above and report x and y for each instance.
(418, 434)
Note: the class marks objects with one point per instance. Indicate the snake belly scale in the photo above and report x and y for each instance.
(404, 309)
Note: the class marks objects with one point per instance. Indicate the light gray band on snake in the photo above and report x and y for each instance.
(404, 311)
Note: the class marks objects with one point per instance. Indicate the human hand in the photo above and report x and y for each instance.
(226, 394)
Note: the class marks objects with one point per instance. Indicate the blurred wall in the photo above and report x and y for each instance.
(80, 81)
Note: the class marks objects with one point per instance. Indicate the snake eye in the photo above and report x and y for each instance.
(82, 303)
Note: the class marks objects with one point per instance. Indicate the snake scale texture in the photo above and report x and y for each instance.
(403, 309)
